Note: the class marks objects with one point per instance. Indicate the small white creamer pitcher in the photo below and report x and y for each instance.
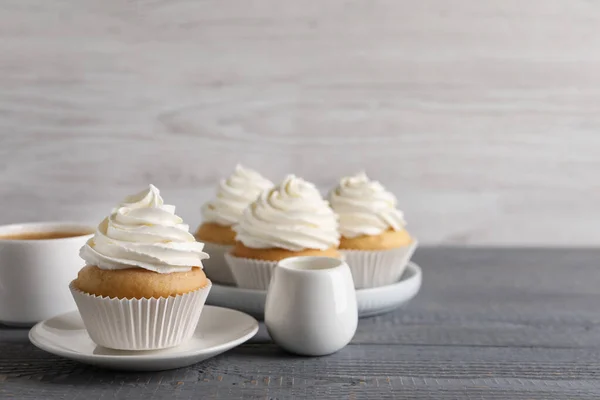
(311, 305)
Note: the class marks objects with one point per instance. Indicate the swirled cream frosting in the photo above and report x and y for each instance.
(293, 216)
(143, 232)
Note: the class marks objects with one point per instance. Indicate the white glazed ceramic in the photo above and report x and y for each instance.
(35, 274)
(219, 330)
(370, 302)
(311, 305)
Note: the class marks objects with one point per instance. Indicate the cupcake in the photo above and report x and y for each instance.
(143, 287)
(373, 240)
(290, 220)
(219, 215)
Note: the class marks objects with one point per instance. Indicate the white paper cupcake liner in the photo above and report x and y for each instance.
(250, 273)
(140, 324)
(379, 267)
(216, 268)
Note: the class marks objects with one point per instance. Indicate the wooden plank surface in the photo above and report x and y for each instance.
(488, 324)
(482, 116)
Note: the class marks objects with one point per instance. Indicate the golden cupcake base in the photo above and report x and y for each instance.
(387, 240)
(215, 233)
(138, 283)
(275, 254)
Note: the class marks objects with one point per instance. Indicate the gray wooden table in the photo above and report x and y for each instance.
(488, 324)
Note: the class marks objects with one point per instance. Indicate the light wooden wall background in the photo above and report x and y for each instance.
(482, 116)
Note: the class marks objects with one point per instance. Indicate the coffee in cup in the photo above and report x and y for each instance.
(35, 235)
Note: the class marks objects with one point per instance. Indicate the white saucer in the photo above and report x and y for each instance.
(219, 330)
(370, 302)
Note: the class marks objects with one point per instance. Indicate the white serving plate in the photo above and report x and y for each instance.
(370, 302)
(219, 330)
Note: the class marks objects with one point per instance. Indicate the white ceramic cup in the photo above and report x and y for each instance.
(311, 305)
(35, 274)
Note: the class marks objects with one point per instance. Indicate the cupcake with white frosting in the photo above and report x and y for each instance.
(290, 220)
(374, 240)
(222, 213)
(143, 287)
